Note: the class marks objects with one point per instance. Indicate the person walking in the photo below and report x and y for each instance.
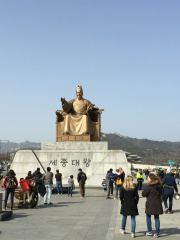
(112, 181)
(169, 185)
(122, 173)
(129, 200)
(10, 184)
(140, 179)
(29, 177)
(70, 185)
(177, 177)
(58, 177)
(37, 178)
(108, 180)
(146, 173)
(153, 193)
(118, 185)
(81, 178)
(115, 178)
(48, 182)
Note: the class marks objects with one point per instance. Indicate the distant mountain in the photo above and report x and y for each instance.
(151, 152)
(13, 147)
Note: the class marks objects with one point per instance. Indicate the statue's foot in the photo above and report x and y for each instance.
(84, 133)
(66, 133)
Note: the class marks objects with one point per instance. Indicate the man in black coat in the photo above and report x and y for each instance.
(81, 178)
(169, 185)
(108, 180)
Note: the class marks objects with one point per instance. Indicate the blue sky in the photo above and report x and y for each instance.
(125, 54)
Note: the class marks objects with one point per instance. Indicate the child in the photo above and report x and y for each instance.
(70, 185)
(25, 188)
(104, 185)
(129, 199)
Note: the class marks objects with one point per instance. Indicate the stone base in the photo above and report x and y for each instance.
(75, 138)
(74, 146)
(95, 163)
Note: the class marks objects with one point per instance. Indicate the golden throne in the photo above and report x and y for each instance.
(95, 116)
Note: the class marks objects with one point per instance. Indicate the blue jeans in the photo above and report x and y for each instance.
(47, 196)
(59, 185)
(149, 225)
(70, 191)
(177, 181)
(170, 201)
(118, 189)
(7, 192)
(133, 223)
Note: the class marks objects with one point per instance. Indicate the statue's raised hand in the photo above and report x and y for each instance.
(63, 100)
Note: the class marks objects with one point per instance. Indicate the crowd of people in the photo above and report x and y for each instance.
(159, 189)
(39, 185)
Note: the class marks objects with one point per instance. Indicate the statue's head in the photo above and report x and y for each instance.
(79, 92)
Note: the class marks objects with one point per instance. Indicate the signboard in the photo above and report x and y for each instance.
(170, 162)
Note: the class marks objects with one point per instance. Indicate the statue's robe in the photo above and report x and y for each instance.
(76, 119)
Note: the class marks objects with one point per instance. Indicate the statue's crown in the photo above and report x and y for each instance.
(80, 88)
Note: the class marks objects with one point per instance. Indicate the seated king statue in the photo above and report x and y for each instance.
(76, 119)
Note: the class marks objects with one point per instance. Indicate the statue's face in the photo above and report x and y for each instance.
(79, 94)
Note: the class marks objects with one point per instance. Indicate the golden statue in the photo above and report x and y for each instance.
(79, 120)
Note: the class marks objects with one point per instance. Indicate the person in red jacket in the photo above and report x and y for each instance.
(10, 184)
(25, 188)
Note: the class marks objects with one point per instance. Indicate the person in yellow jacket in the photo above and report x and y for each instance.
(140, 179)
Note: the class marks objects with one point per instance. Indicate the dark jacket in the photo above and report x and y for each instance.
(108, 180)
(41, 188)
(169, 180)
(79, 176)
(177, 175)
(160, 174)
(153, 193)
(37, 175)
(122, 174)
(129, 200)
(58, 177)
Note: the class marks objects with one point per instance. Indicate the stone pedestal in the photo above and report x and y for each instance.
(93, 157)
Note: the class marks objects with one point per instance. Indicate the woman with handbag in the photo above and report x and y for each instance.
(153, 193)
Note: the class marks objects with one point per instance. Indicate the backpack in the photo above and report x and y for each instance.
(119, 181)
(83, 177)
(32, 183)
(10, 182)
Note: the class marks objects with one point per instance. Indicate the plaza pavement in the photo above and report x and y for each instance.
(91, 218)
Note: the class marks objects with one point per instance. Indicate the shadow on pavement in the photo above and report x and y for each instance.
(50, 206)
(14, 216)
(169, 231)
(68, 202)
(176, 211)
(163, 231)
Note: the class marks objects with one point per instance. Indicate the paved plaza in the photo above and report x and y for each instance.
(93, 217)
